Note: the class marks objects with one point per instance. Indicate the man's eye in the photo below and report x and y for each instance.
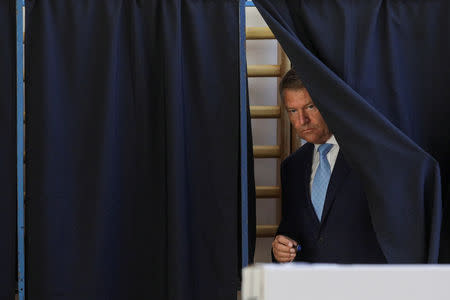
(292, 111)
(310, 106)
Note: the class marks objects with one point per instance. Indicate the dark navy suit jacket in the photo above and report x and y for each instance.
(345, 233)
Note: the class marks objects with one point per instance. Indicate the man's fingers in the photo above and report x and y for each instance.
(280, 247)
(285, 241)
(284, 260)
(283, 253)
(283, 257)
(283, 250)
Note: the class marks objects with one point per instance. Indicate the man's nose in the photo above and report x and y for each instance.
(302, 119)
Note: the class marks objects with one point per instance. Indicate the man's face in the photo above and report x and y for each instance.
(305, 117)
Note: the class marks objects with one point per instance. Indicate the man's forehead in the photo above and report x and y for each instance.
(297, 97)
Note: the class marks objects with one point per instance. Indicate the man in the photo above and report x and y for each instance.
(324, 209)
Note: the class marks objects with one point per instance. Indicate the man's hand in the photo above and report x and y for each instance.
(283, 250)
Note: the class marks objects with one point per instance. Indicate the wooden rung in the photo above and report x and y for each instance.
(266, 151)
(263, 70)
(265, 111)
(259, 33)
(266, 230)
(268, 192)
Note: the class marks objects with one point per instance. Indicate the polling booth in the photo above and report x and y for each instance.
(298, 281)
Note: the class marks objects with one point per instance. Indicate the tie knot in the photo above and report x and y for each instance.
(324, 149)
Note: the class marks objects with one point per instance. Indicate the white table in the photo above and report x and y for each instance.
(346, 282)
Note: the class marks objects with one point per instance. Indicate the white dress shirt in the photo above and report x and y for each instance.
(331, 156)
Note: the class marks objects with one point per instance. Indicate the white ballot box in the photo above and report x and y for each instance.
(345, 282)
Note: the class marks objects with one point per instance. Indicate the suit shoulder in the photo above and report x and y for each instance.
(302, 153)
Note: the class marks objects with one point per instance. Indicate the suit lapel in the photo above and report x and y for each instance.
(340, 172)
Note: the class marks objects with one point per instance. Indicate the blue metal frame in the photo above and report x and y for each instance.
(244, 140)
(20, 151)
(249, 4)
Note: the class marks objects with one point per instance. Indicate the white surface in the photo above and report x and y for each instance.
(339, 282)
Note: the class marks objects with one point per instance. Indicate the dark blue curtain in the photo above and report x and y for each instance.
(133, 149)
(379, 72)
(7, 149)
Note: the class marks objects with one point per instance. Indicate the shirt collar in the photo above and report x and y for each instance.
(331, 140)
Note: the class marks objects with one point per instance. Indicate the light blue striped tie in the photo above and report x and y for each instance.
(321, 180)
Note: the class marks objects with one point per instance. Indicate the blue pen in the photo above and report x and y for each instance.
(297, 249)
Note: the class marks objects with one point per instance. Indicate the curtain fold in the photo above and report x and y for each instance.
(8, 173)
(379, 72)
(133, 149)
